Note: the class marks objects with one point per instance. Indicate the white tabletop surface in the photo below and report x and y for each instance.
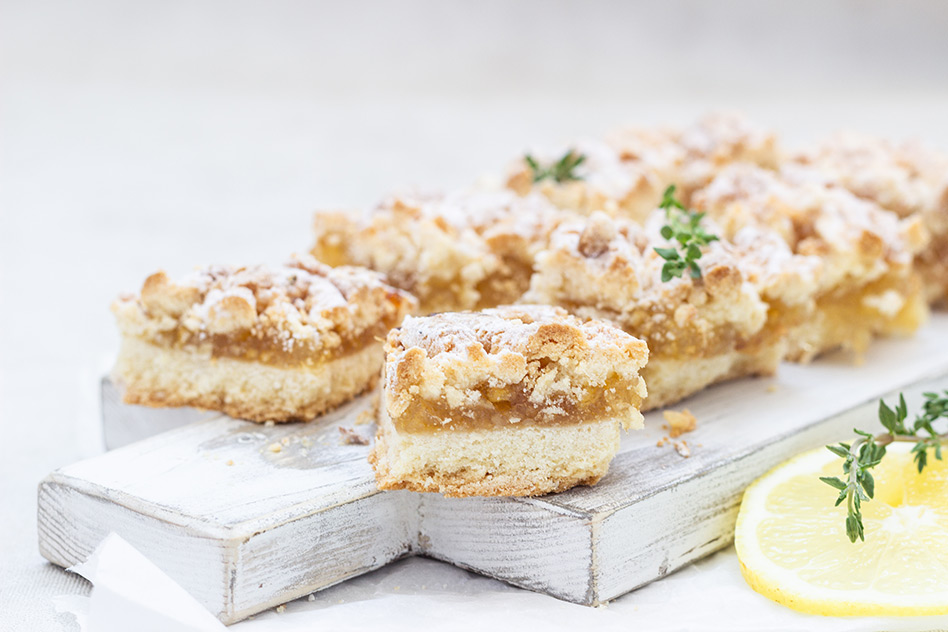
(135, 137)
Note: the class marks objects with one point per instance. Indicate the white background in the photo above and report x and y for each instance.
(141, 136)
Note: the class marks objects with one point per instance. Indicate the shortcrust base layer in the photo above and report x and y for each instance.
(512, 461)
(158, 376)
(670, 380)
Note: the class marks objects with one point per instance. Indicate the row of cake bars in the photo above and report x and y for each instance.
(724, 253)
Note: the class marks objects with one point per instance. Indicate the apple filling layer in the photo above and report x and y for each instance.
(511, 405)
(272, 350)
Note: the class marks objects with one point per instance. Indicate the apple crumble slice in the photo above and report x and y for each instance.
(512, 401)
(730, 322)
(908, 179)
(260, 343)
(866, 285)
(467, 250)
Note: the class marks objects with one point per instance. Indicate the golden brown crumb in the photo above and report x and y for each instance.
(679, 422)
(681, 447)
(275, 447)
(230, 462)
(351, 437)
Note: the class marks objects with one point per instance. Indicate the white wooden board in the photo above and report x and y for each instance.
(273, 526)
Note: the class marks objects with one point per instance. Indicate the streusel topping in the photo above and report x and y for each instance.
(440, 263)
(301, 305)
(461, 251)
(905, 178)
(693, 154)
(605, 181)
(726, 137)
(854, 237)
(493, 215)
(553, 356)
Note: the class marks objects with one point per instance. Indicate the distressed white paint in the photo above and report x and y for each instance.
(277, 525)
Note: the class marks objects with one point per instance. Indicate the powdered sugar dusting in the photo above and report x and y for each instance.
(300, 303)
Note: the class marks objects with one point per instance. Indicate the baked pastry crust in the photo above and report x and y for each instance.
(729, 323)
(866, 284)
(471, 398)
(908, 179)
(468, 250)
(261, 343)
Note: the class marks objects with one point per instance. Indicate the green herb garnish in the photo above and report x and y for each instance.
(867, 451)
(683, 226)
(560, 171)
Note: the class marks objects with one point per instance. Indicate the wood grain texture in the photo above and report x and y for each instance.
(244, 525)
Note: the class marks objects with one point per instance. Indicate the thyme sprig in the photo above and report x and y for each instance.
(562, 170)
(867, 451)
(682, 226)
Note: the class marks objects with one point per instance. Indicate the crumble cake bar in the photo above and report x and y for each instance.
(866, 285)
(908, 179)
(729, 323)
(260, 343)
(467, 250)
(513, 401)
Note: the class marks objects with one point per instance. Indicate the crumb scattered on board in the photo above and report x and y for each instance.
(281, 609)
(679, 422)
(772, 388)
(275, 447)
(351, 437)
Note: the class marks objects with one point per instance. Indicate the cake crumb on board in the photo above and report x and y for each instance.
(351, 437)
(681, 447)
(679, 422)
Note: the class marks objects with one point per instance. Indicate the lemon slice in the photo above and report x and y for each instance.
(793, 548)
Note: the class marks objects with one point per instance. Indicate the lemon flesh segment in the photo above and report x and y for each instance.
(793, 549)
